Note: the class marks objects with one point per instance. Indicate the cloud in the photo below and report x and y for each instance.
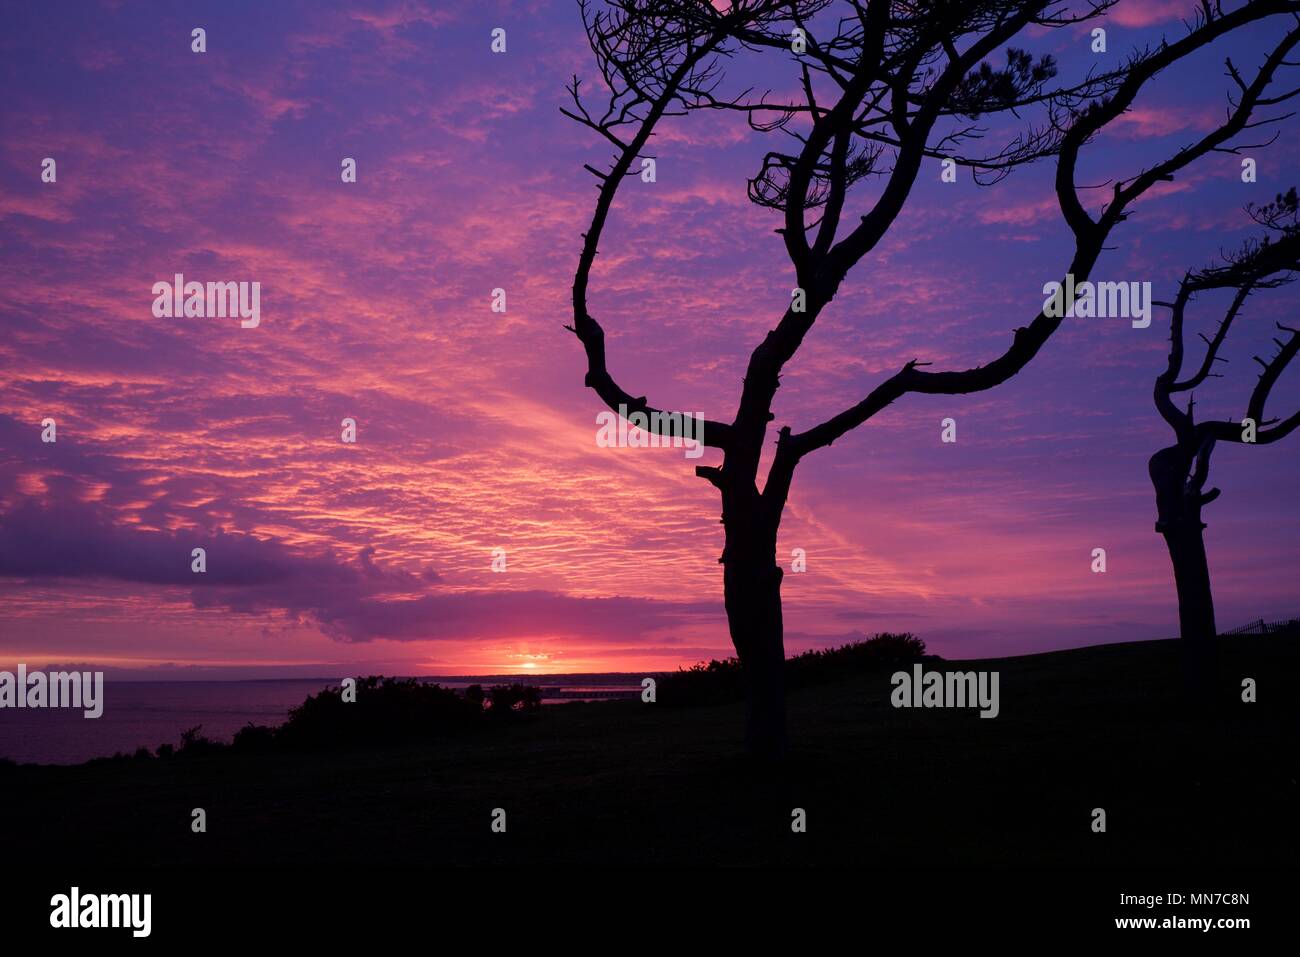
(351, 601)
(1148, 122)
(504, 614)
(73, 541)
(1145, 13)
(1020, 213)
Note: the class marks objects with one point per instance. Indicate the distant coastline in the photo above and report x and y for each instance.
(146, 713)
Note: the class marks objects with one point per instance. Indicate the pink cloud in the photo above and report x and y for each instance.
(1144, 122)
(1145, 13)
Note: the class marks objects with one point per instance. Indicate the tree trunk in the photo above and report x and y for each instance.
(1179, 502)
(753, 600)
(1186, 543)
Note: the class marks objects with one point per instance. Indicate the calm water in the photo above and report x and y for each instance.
(149, 713)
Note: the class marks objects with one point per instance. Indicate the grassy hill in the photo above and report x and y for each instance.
(630, 783)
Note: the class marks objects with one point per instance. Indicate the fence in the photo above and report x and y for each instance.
(1262, 627)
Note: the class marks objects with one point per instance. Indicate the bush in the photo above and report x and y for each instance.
(516, 697)
(386, 711)
(475, 694)
(194, 742)
(704, 683)
(880, 651)
(724, 680)
(254, 739)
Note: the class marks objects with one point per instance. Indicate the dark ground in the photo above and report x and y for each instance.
(632, 784)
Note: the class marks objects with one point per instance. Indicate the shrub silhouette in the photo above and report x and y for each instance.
(193, 741)
(386, 711)
(475, 694)
(254, 739)
(515, 697)
(718, 681)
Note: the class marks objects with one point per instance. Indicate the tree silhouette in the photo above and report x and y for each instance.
(886, 85)
(1180, 471)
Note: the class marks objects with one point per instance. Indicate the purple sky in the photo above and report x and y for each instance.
(474, 429)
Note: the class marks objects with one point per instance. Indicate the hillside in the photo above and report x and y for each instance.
(629, 783)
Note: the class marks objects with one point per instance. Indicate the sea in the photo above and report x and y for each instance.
(149, 713)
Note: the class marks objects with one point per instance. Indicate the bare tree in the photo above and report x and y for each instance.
(885, 86)
(1180, 471)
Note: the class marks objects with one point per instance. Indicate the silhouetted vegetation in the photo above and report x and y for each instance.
(515, 697)
(193, 741)
(386, 711)
(603, 785)
(254, 739)
(717, 681)
(1180, 472)
(399, 711)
